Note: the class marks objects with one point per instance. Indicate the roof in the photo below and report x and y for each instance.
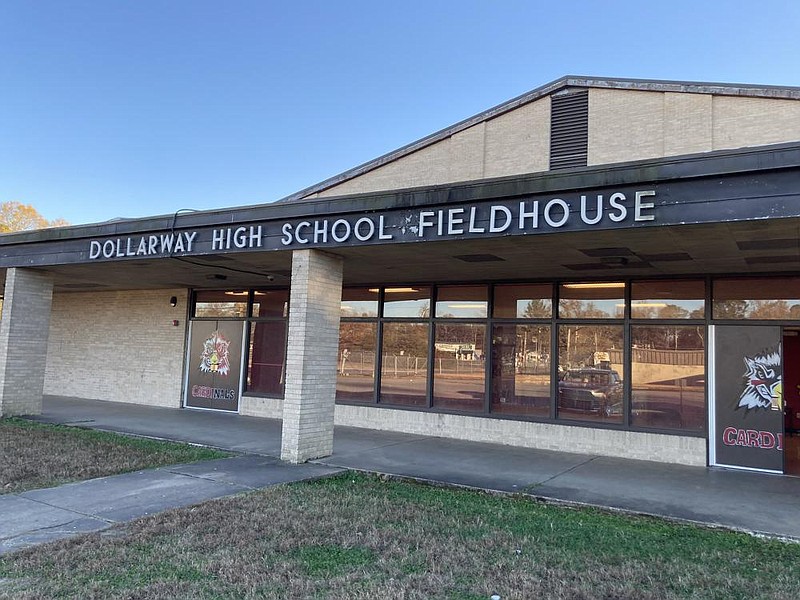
(566, 82)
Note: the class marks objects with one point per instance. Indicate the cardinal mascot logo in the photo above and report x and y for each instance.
(762, 381)
(215, 357)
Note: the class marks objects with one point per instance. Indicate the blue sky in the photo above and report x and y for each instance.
(133, 108)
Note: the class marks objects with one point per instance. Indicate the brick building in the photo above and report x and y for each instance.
(603, 266)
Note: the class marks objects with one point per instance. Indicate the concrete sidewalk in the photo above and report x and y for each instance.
(43, 515)
(746, 501)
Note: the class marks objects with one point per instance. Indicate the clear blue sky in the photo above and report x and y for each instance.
(135, 107)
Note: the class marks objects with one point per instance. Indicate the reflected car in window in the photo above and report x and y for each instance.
(591, 390)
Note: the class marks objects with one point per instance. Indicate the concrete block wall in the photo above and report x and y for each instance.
(309, 396)
(119, 346)
(24, 328)
(513, 143)
(546, 436)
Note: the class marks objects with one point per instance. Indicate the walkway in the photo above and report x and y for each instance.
(752, 502)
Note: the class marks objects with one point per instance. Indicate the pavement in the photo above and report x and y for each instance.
(753, 502)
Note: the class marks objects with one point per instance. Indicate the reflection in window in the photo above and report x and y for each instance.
(604, 300)
(407, 302)
(459, 366)
(266, 368)
(360, 302)
(523, 301)
(220, 304)
(355, 380)
(271, 303)
(757, 298)
(668, 299)
(461, 301)
(590, 367)
(404, 364)
(521, 370)
(668, 377)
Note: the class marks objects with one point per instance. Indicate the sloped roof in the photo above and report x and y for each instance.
(566, 82)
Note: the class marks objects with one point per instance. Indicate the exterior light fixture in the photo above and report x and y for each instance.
(173, 302)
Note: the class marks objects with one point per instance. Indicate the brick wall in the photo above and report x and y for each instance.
(546, 436)
(23, 339)
(118, 346)
(308, 405)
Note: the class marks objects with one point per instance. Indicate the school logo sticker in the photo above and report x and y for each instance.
(215, 358)
(762, 381)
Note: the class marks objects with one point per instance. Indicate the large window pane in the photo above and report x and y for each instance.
(271, 303)
(360, 302)
(221, 304)
(459, 366)
(407, 302)
(668, 299)
(521, 370)
(523, 301)
(757, 298)
(668, 377)
(404, 364)
(356, 369)
(265, 373)
(462, 301)
(590, 367)
(592, 300)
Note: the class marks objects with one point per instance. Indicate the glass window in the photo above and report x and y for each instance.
(459, 366)
(404, 364)
(355, 380)
(523, 301)
(407, 302)
(360, 302)
(462, 301)
(757, 298)
(521, 370)
(266, 369)
(221, 304)
(668, 299)
(271, 303)
(668, 377)
(590, 370)
(592, 300)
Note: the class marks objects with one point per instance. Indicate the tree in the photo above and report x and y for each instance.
(15, 216)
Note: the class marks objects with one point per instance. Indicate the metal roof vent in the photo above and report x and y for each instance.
(569, 130)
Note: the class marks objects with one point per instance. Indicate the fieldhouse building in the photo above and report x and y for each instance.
(602, 266)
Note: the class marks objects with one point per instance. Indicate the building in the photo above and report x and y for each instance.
(603, 266)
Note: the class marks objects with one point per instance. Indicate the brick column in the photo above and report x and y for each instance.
(309, 396)
(24, 327)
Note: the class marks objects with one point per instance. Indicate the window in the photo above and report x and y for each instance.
(220, 304)
(590, 358)
(757, 298)
(523, 301)
(668, 377)
(591, 300)
(521, 370)
(407, 302)
(355, 380)
(459, 381)
(668, 299)
(404, 364)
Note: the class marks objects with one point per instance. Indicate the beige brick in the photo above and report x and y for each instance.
(119, 346)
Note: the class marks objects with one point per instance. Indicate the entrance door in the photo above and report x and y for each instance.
(214, 365)
(745, 397)
(791, 398)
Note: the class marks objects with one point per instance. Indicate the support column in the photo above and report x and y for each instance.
(24, 327)
(310, 391)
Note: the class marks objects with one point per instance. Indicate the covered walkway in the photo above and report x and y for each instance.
(753, 502)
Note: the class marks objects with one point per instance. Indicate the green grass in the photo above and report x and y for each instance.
(36, 455)
(355, 536)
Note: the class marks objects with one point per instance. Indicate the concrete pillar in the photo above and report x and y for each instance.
(309, 395)
(24, 327)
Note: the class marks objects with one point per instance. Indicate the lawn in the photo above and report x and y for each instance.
(35, 455)
(356, 537)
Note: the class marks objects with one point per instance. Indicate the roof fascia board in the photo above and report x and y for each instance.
(762, 158)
